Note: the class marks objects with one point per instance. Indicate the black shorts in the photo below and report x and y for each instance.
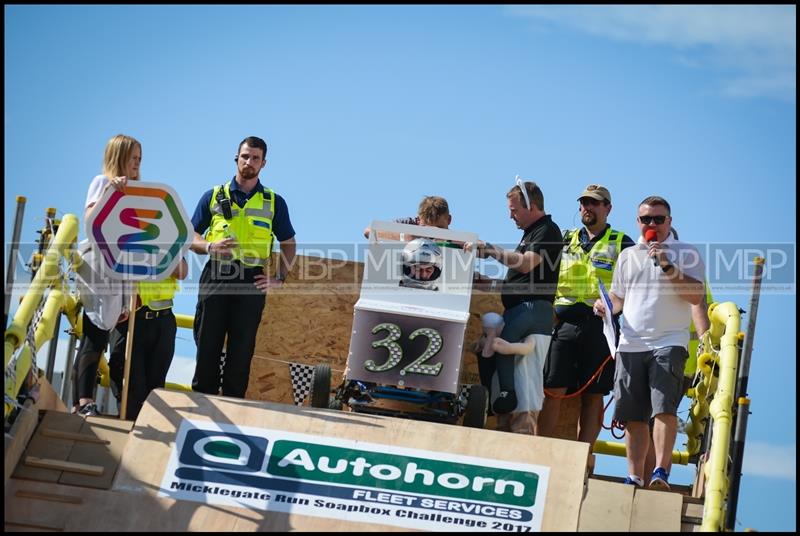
(577, 350)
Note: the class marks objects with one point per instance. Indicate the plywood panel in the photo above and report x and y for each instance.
(106, 455)
(656, 511)
(146, 455)
(16, 439)
(115, 511)
(49, 447)
(606, 507)
(48, 398)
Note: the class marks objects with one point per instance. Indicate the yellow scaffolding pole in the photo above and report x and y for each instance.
(15, 335)
(725, 320)
(612, 448)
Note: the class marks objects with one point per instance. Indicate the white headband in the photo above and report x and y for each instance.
(524, 192)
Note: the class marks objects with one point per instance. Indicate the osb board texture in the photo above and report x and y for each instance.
(309, 321)
(153, 437)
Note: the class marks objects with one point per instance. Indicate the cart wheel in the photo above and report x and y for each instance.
(477, 403)
(321, 387)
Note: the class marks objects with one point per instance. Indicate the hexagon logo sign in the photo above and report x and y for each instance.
(142, 234)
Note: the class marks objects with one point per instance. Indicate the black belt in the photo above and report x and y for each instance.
(575, 313)
(147, 314)
(226, 268)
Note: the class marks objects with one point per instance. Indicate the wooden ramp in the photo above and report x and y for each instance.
(70, 449)
(144, 498)
(64, 471)
(93, 474)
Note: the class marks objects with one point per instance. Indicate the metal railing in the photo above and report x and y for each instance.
(26, 335)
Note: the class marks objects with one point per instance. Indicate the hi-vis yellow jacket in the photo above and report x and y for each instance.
(579, 271)
(157, 295)
(252, 225)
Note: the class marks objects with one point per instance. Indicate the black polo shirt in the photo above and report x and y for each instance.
(544, 238)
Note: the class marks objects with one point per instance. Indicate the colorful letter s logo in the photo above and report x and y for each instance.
(133, 217)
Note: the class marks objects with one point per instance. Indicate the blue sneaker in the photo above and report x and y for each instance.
(659, 480)
(631, 482)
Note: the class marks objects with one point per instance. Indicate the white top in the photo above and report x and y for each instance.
(103, 298)
(654, 315)
(95, 190)
(528, 376)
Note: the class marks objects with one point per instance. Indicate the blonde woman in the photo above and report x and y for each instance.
(103, 300)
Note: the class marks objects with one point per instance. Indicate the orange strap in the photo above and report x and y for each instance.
(585, 386)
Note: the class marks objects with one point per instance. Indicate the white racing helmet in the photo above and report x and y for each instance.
(421, 251)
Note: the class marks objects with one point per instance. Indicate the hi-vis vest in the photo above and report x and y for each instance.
(157, 295)
(579, 271)
(252, 225)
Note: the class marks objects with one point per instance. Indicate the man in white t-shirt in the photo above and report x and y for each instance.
(655, 283)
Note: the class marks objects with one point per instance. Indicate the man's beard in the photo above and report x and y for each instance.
(248, 173)
(589, 219)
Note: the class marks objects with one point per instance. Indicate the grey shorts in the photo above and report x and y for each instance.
(648, 383)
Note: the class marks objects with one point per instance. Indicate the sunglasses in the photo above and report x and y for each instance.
(647, 220)
(524, 192)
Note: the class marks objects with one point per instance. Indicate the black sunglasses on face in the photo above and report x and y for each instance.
(647, 220)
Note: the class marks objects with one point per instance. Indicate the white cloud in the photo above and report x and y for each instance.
(756, 46)
(773, 461)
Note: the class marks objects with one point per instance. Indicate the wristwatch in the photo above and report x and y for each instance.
(666, 268)
(280, 277)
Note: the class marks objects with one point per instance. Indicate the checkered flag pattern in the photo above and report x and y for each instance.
(302, 378)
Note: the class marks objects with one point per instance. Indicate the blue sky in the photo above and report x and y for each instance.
(367, 109)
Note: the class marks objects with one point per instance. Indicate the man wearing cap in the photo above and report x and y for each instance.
(578, 349)
(528, 288)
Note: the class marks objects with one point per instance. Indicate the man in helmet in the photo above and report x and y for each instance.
(422, 264)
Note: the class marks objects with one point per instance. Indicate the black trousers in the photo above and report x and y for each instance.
(151, 356)
(93, 343)
(229, 305)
